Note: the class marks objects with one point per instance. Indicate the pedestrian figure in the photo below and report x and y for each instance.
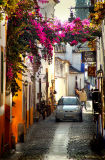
(90, 94)
(82, 97)
(43, 109)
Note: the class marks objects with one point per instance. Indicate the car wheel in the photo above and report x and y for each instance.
(57, 120)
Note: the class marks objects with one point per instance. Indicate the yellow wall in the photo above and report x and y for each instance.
(17, 111)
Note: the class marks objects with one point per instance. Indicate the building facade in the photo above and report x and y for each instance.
(3, 110)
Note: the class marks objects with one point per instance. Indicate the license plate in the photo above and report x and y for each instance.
(68, 115)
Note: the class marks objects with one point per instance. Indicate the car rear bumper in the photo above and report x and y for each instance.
(68, 116)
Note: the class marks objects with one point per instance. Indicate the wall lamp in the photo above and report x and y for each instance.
(26, 83)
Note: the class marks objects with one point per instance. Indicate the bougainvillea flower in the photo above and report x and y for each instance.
(26, 27)
(43, 1)
(84, 40)
(86, 22)
(74, 42)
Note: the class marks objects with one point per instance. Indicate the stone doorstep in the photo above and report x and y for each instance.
(94, 157)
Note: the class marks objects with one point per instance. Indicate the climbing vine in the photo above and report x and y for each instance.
(26, 26)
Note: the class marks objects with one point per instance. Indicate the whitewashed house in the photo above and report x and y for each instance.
(61, 77)
(65, 53)
(45, 77)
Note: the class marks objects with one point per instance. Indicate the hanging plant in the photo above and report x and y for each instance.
(26, 25)
(43, 1)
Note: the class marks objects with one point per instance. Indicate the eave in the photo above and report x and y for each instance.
(61, 60)
(56, 1)
(73, 70)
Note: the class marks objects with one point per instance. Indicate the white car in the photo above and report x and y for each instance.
(68, 108)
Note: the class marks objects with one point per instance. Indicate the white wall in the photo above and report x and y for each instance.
(76, 61)
(47, 9)
(71, 80)
(73, 58)
(61, 78)
(67, 55)
(37, 90)
(60, 87)
(2, 33)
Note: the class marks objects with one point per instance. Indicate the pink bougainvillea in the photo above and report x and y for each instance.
(10, 71)
(43, 1)
(86, 22)
(30, 58)
(27, 27)
(74, 42)
(83, 40)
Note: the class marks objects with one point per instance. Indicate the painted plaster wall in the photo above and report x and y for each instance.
(76, 61)
(103, 43)
(67, 55)
(42, 76)
(2, 84)
(73, 58)
(47, 9)
(43, 79)
(3, 33)
(72, 82)
(29, 91)
(17, 111)
(104, 33)
(37, 90)
(29, 104)
(60, 84)
(8, 119)
(61, 78)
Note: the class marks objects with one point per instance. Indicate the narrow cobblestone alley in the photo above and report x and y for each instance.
(49, 140)
(52, 69)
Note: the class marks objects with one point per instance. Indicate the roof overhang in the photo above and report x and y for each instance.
(73, 70)
(61, 60)
(56, 1)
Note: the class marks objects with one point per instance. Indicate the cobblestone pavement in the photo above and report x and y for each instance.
(49, 140)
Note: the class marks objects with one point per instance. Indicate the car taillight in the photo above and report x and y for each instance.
(59, 107)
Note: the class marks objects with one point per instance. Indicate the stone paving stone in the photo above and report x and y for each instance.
(48, 140)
